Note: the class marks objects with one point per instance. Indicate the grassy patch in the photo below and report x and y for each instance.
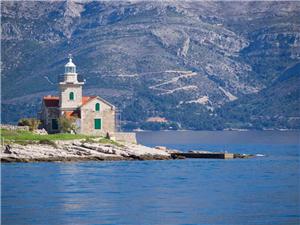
(27, 137)
(102, 141)
(107, 141)
(89, 140)
(18, 135)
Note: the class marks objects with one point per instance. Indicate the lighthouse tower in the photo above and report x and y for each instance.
(70, 97)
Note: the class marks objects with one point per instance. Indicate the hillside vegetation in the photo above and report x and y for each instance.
(201, 65)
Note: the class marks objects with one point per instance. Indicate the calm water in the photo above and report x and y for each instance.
(263, 190)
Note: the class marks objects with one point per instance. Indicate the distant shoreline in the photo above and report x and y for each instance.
(239, 130)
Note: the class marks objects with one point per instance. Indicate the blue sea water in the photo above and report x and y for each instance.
(262, 190)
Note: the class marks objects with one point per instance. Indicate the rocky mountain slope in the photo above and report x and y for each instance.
(199, 64)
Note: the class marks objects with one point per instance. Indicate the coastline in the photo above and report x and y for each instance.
(24, 146)
(226, 129)
(76, 150)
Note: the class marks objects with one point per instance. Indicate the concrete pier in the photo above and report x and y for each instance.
(203, 155)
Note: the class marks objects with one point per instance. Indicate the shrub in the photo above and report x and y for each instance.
(32, 123)
(88, 140)
(23, 122)
(67, 125)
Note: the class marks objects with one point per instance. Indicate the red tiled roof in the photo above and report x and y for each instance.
(86, 99)
(51, 101)
(70, 114)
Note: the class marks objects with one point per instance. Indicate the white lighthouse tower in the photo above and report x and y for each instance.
(70, 96)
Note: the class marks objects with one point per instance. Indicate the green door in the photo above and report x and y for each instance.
(97, 124)
(54, 124)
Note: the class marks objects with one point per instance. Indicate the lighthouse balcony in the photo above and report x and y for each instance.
(62, 78)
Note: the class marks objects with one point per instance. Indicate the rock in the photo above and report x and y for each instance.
(7, 149)
(150, 157)
(174, 156)
(172, 151)
(198, 151)
(75, 151)
(40, 131)
(243, 156)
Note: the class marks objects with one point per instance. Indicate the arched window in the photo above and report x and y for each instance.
(97, 107)
(71, 96)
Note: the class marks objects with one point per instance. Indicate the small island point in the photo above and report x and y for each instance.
(73, 127)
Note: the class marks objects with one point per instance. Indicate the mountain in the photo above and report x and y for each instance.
(201, 65)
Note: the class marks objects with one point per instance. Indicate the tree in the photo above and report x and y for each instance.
(67, 124)
(32, 123)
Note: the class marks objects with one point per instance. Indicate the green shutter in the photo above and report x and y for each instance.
(97, 107)
(97, 124)
(71, 96)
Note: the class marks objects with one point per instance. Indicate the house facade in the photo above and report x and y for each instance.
(92, 114)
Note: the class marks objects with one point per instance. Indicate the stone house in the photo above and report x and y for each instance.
(93, 114)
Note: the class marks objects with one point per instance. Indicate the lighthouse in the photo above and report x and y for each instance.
(70, 90)
(92, 115)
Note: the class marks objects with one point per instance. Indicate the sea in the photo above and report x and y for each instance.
(260, 190)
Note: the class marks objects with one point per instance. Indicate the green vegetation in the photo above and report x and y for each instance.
(67, 125)
(32, 123)
(108, 141)
(238, 60)
(18, 135)
(102, 141)
(27, 137)
(159, 126)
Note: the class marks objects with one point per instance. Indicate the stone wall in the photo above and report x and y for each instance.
(65, 89)
(89, 114)
(40, 132)
(46, 116)
(129, 137)
(14, 127)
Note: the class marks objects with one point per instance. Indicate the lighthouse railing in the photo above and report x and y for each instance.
(61, 78)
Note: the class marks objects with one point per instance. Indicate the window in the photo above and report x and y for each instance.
(71, 96)
(54, 124)
(97, 107)
(97, 124)
(70, 70)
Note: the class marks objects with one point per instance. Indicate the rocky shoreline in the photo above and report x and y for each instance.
(70, 151)
(80, 150)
